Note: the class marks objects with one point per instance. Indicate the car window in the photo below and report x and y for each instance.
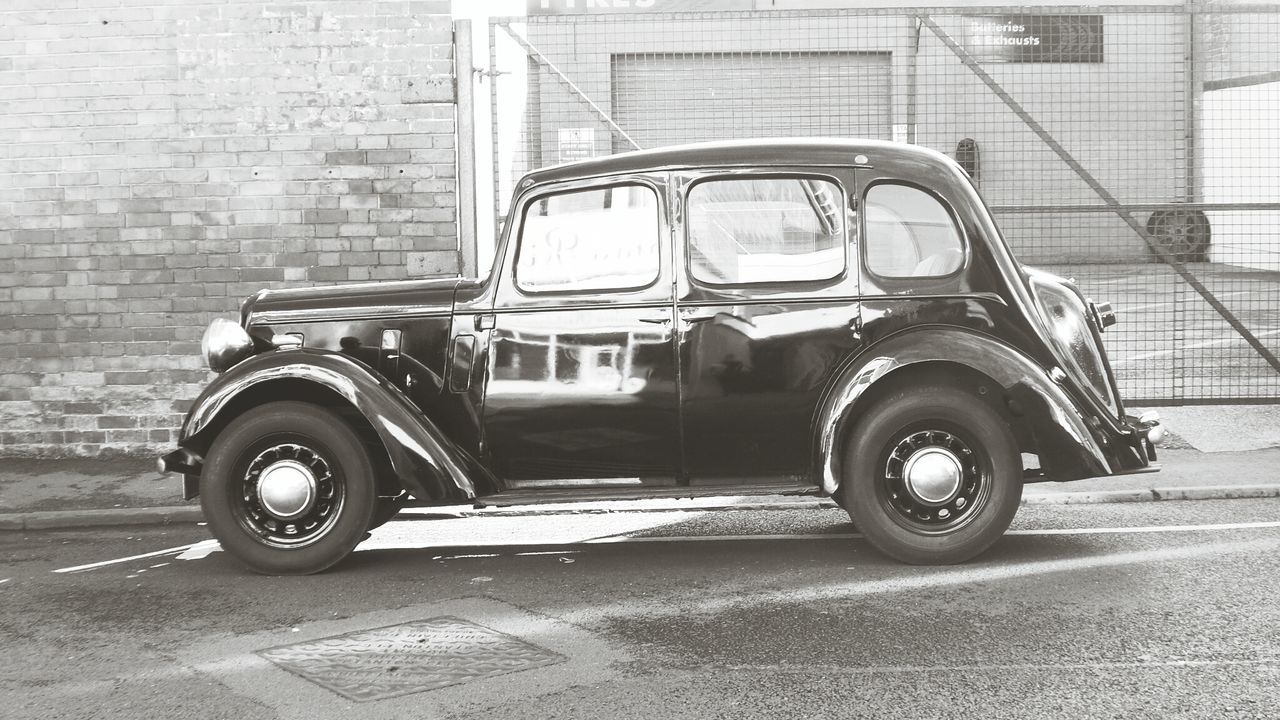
(597, 239)
(910, 233)
(756, 230)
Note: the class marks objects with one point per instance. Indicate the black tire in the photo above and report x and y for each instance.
(337, 510)
(954, 429)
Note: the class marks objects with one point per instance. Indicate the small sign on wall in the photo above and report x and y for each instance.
(577, 144)
(1036, 38)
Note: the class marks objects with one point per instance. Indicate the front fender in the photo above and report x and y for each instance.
(1062, 434)
(427, 463)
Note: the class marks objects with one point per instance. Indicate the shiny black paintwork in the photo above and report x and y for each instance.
(675, 384)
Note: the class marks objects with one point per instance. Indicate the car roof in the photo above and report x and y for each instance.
(729, 153)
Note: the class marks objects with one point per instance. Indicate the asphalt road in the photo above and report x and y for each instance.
(1158, 610)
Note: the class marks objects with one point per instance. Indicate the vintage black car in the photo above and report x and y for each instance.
(835, 318)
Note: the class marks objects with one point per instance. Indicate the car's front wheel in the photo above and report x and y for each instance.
(288, 489)
(932, 475)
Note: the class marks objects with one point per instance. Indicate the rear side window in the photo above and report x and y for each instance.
(599, 239)
(910, 233)
(765, 230)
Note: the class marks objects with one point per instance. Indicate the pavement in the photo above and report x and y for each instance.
(1210, 453)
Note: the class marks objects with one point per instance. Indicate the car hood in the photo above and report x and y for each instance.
(421, 297)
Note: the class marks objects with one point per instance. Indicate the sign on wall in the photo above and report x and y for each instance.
(581, 7)
(577, 144)
(1036, 38)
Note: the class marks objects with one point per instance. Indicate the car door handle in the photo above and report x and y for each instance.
(666, 321)
(691, 318)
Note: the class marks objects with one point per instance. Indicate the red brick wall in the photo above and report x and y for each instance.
(162, 159)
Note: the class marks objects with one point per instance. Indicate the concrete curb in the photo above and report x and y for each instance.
(71, 519)
(1202, 492)
(64, 519)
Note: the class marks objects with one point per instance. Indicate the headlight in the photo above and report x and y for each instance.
(224, 344)
(1064, 312)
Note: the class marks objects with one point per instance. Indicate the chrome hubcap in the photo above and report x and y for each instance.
(287, 489)
(933, 475)
(932, 480)
(289, 495)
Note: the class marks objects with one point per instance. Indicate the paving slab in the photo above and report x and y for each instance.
(1224, 428)
(35, 484)
(541, 655)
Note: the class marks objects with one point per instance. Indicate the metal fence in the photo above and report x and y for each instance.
(1136, 149)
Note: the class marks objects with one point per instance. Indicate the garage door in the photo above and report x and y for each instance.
(667, 99)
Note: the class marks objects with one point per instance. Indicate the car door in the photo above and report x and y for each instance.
(767, 308)
(581, 386)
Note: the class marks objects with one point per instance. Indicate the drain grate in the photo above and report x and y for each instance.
(408, 658)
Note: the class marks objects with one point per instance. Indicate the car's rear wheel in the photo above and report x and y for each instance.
(932, 475)
(288, 489)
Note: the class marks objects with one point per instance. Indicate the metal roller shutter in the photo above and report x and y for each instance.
(664, 99)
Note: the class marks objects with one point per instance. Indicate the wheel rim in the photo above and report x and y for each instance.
(1181, 233)
(933, 480)
(288, 495)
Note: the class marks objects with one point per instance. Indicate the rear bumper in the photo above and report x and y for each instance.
(1136, 448)
(1129, 451)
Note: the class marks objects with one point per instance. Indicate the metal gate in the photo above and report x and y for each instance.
(1136, 149)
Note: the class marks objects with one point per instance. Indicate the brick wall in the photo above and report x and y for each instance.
(162, 159)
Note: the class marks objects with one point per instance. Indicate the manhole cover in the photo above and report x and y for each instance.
(408, 658)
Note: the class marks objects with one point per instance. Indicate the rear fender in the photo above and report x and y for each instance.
(1067, 448)
(427, 464)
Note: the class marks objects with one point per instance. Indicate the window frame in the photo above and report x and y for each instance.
(687, 248)
(865, 235)
(532, 200)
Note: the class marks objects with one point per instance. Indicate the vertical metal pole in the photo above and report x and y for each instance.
(495, 129)
(1190, 191)
(913, 70)
(464, 78)
(1191, 110)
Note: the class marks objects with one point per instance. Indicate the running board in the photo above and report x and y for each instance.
(542, 497)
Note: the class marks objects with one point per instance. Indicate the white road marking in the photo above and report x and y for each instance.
(1137, 308)
(852, 536)
(990, 667)
(921, 579)
(117, 561)
(1128, 359)
(507, 531)
(200, 550)
(618, 539)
